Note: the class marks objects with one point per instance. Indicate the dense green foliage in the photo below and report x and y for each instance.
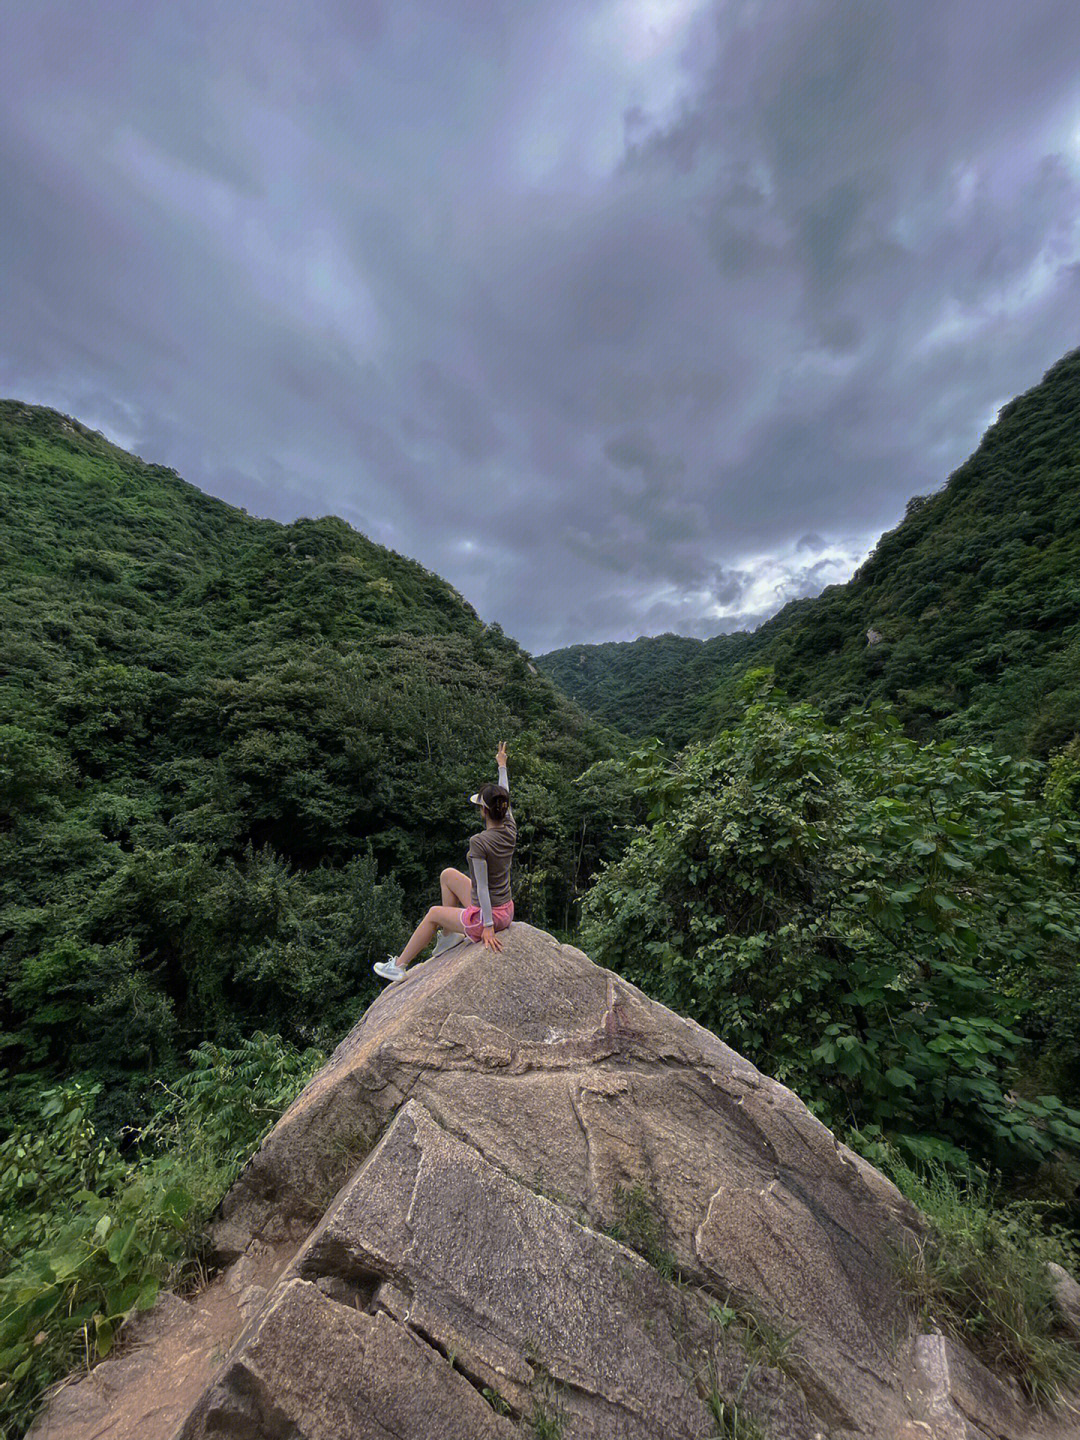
(657, 685)
(976, 596)
(234, 756)
(891, 929)
(87, 1235)
(1063, 780)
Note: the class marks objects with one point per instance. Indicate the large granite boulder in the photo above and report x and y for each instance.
(520, 1309)
(530, 1200)
(573, 1083)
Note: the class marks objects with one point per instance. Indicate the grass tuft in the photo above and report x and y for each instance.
(547, 1423)
(762, 1341)
(731, 1420)
(980, 1275)
(639, 1227)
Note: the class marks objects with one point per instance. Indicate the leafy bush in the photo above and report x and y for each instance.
(868, 919)
(231, 1097)
(88, 1235)
(1063, 779)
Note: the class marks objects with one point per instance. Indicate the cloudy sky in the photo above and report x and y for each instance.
(625, 316)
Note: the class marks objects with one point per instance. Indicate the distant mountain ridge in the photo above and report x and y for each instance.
(654, 685)
(119, 518)
(973, 601)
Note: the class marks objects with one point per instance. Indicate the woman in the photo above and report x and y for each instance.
(478, 904)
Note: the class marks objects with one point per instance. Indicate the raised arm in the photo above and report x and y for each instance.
(500, 761)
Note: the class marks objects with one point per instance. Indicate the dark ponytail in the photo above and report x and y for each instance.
(496, 800)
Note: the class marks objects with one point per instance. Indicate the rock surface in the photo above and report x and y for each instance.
(1066, 1297)
(571, 1080)
(431, 1243)
(959, 1398)
(144, 1390)
(537, 1202)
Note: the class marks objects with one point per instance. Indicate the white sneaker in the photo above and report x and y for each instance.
(446, 941)
(389, 969)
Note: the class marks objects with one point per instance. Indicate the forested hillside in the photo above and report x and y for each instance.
(656, 685)
(975, 597)
(234, 756)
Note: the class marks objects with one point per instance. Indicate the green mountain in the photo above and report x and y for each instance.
(975, 597)
(234, 756)
(656, 685)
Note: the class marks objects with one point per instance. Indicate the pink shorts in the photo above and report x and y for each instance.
(473, 925)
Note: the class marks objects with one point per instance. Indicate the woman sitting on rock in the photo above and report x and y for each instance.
(478, 904)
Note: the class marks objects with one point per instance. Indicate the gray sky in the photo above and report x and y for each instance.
(624, 316)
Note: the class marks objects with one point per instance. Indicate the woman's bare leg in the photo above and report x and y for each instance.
(439, 917)
(456, 889)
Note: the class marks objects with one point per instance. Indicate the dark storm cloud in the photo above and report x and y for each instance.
(625, 316)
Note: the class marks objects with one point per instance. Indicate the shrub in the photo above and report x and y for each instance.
(872, 921)
(87, 1235)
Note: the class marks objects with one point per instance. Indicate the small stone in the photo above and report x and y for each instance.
(1065, 1294)
(250, 1301)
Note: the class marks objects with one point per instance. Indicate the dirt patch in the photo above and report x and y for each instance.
(166, 1359)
